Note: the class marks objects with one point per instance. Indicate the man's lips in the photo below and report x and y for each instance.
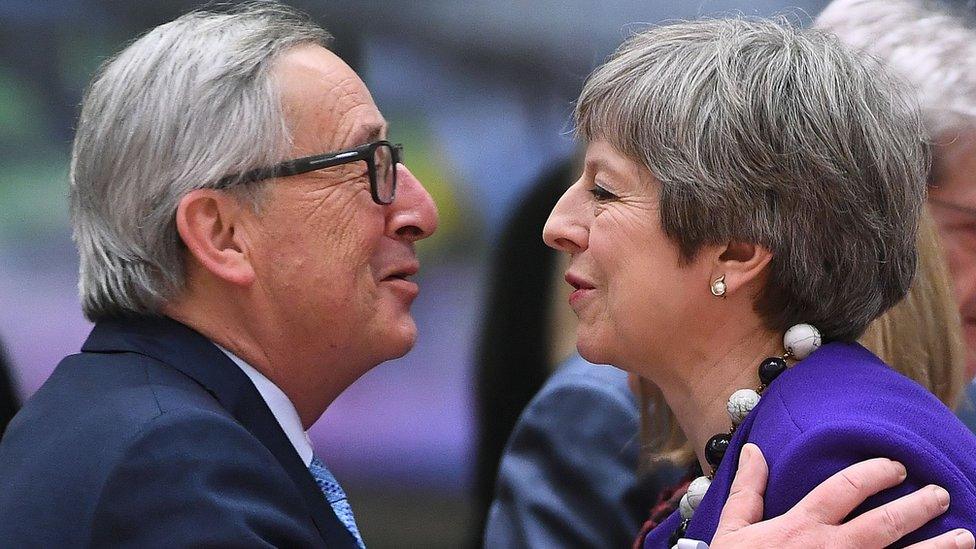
(402, 272)
(398, 279)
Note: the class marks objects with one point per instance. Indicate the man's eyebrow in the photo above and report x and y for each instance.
(368, 134)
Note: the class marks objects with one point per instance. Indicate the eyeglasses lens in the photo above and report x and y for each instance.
(385, 172)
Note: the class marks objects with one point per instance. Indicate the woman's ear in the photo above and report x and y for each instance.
(741, 263)
(210, 224)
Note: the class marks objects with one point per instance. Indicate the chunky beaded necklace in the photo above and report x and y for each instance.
(799, 341)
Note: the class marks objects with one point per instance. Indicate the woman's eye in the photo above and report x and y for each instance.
(601, 194)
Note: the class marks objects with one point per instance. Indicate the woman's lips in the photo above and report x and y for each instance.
(576, 296)
(582, 288)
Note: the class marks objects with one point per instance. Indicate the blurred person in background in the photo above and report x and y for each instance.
(932, 46)
(511, 364)
(246, 237)
(921, 335)
(9, 403)
(742, 178)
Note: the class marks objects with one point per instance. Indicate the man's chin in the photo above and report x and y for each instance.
(400, 341)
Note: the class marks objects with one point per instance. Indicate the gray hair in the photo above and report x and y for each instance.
(189, 102)
(928, 44)
(761, 132)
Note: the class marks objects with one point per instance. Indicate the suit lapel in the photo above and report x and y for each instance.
(195, 356)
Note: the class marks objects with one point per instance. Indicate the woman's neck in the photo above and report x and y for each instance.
(702, 381)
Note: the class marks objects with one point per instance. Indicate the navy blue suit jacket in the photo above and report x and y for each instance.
(153, 437)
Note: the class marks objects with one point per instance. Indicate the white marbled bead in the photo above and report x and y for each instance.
(741, 403)
(696, 491)
(801, 340)
(685, 508)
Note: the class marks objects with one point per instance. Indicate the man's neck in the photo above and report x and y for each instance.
(280, 405)
(300, 377)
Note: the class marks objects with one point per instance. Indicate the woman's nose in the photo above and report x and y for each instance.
(565, 230)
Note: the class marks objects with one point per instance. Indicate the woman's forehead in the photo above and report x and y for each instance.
(603, 157)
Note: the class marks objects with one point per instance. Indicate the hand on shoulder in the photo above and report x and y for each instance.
(817, 520)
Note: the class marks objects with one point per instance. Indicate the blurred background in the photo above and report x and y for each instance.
(480, 94)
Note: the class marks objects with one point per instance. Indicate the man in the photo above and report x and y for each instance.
(231, 307)
(246, 239)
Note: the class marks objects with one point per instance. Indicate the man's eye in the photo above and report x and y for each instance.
(601, 194)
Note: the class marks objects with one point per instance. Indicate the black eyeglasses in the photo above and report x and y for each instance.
(381, 158)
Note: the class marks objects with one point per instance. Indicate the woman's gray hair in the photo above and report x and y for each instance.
(929, 44)
(765, 133)
(184, 105)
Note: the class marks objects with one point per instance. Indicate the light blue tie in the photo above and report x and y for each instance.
(336, 497)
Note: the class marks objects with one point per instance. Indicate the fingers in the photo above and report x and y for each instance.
(745, 503)
(837, 496)
(886, 524)
(956, 539)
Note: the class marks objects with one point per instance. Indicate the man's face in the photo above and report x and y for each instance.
(952, 201)
(331, 265)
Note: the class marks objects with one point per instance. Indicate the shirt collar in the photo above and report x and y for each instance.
(281, 407)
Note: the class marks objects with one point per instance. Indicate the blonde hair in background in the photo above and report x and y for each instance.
(920, 337)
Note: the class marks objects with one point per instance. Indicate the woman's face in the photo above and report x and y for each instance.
(634, 299)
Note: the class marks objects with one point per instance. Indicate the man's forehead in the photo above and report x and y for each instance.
(954, 169)
(327, 104)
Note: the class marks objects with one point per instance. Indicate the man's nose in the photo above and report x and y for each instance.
(413, 214)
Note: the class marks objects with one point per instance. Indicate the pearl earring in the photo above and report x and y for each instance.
(718, 287)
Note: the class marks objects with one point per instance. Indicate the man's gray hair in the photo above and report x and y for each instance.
(184, 105)
(764, 133)
(929, 44)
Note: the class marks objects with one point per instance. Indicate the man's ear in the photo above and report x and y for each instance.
(741, 263)
(210, 223)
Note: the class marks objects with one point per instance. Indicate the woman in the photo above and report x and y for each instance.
(741, 178)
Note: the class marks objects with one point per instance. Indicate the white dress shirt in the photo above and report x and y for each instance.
(282, 408)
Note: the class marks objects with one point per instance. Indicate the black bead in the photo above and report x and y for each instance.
(715, 449)
(770, 369)
(678, 533)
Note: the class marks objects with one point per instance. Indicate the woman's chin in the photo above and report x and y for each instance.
(593, 351)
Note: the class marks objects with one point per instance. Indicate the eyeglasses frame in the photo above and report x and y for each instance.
(307, 164)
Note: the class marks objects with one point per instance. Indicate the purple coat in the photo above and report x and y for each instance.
(839, 406)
